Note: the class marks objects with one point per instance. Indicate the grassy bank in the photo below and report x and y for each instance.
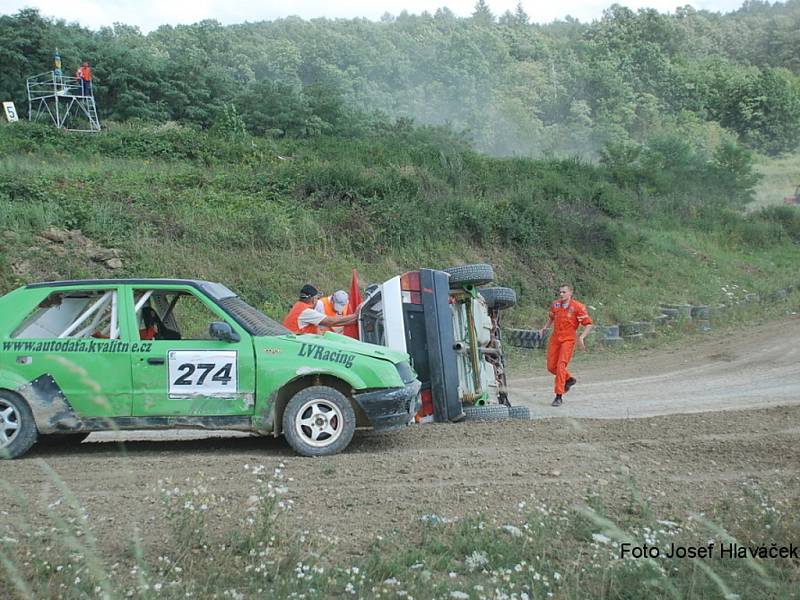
(265, 216)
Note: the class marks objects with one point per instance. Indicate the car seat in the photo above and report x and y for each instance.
(150, 317)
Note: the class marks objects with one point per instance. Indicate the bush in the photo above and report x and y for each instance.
(788, 217)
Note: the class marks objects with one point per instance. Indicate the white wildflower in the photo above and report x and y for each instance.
(512, 531)
(476, 560)
(599, 537)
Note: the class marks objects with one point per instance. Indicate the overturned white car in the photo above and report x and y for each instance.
(450, 327)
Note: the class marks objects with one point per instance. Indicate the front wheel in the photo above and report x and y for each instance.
(319, 421)
(17, 428)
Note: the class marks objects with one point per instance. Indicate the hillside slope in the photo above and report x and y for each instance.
(265, 217)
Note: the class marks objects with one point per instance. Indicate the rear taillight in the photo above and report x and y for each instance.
(410, 288)
(425, 413)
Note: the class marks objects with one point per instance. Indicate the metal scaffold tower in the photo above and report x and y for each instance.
(67, 101)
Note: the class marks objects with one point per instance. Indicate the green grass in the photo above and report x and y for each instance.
(780, 177)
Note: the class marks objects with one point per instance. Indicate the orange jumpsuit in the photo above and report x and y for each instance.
(566, 321)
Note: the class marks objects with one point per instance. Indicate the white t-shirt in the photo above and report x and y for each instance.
(310, 317)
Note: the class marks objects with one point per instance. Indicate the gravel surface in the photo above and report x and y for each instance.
(757, 368)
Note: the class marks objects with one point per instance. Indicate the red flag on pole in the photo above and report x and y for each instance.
(351, 330)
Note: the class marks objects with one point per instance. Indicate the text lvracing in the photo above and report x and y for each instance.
(112, 346)
(322, 353)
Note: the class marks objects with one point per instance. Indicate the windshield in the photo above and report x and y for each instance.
(216, 290)
(252, 319)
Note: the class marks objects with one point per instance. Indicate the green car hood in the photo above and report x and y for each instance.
(343, 343)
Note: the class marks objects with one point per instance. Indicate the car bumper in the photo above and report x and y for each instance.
(392, 407)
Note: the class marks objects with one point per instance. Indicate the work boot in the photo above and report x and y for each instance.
(569, 383)
(558, 400)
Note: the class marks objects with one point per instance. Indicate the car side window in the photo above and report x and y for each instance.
(73, 314)
(172, 315)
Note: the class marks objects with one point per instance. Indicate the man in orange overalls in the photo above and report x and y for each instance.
(566, 315)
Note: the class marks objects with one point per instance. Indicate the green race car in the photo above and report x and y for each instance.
(99, 355)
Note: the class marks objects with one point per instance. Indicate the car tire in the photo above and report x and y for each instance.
(464, 275)
(490, 412)
(63, 439)
(499, 297)
(523, 338)
(17, 428)
(319, 421)
(523, 413)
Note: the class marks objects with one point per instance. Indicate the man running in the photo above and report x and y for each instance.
(566, 315)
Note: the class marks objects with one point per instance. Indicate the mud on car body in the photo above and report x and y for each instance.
(96, 355)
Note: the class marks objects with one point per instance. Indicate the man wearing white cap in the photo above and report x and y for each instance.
(334, 305)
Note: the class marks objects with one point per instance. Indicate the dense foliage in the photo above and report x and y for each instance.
(516, 87)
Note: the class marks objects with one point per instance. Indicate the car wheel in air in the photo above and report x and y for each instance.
(17, 428)
(464, 275)
(319, 421)
(499, 297)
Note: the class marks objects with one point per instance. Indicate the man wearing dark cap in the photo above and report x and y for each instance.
(304, 318)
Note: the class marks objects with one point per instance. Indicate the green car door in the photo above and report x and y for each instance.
(178, 368)
(71, 341)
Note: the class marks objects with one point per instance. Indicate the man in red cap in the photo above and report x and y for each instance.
(566, 315)
(305, 318)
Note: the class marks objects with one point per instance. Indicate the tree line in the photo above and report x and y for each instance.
(512, 86)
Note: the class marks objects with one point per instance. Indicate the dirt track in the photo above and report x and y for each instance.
(385, 482)
(757, 368)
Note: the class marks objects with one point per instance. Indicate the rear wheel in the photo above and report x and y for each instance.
(519, 412)
(319, 421)
(489, 412)
(464, 275)
(17, 428)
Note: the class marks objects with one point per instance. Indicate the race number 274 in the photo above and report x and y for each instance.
(203, 373)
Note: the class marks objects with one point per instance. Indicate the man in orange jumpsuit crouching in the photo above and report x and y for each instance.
(566, 315)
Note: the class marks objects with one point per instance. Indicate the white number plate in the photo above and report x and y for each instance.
(203, 373)
(11, 112)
